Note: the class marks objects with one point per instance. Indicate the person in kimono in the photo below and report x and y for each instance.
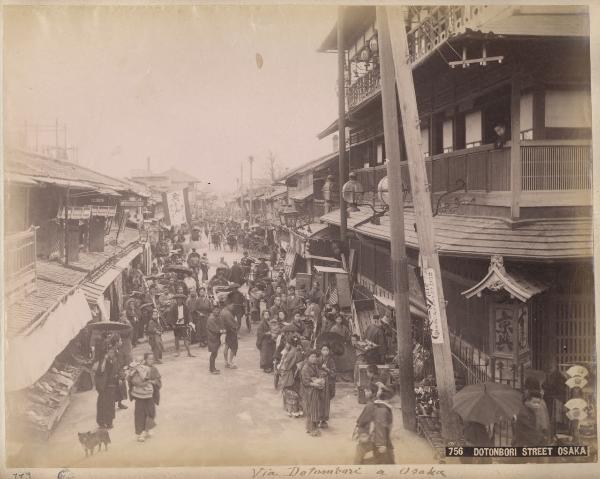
(145, 384)
(376, 335)
(154, 332)
(179, 318)
(327, 366)
(289, 379)
(312, 385)
(377, 417)
(214, 329)
(204, 267)
(232, 327)
(266, 336)
(107, 383)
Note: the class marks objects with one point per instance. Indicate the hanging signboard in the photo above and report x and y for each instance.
(433, 311)
(76, 213)
(132, 203)
(107, 211)
(176, 206)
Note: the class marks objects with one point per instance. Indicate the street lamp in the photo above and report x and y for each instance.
(383, 191)
(352, 192)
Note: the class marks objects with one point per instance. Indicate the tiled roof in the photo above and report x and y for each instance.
(22, 314)
(90, 261)
(548, 239)
(178, 176)
(43, 167)
(58, 273)
(55, 280)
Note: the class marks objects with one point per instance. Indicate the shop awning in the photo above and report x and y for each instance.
(107, 192)
(126, 260)
(329, 269)
(22, 179)
(312, 229)
(389, 303)
(65, 183)
(28, 357)
(301, 195)
(322, 258)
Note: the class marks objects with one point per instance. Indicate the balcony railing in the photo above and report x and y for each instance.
(551, 165)
(20, 270)
(442, 23)
(438, 26)
(364, 87)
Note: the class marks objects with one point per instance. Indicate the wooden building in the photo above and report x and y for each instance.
(507, 146)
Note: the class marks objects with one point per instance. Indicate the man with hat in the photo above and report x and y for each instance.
(214, 328)
(179, 317)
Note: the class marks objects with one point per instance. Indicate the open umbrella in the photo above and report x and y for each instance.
(177, 268)
(109, 326)
(487, 403)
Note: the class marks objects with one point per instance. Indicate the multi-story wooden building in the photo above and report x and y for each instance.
(507, 145)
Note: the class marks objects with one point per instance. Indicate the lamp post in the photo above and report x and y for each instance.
(251, 160)
(352, 193)
(341, 51)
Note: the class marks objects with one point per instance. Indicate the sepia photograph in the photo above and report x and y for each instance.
(298, 240)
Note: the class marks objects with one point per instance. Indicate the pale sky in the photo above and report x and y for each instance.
(178, 84)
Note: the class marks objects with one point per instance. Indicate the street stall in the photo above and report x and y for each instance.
(37, 396)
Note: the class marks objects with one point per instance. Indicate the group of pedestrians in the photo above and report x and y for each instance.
(210, 312)
(117, 376)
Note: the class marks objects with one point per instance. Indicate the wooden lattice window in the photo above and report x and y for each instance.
(574, 330)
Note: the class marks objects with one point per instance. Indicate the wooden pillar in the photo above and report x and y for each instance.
(515, 149)
(432, 277)
(539, 112)
(342, 123)
(399, 259)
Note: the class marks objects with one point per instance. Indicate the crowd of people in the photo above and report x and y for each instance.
(208, 312)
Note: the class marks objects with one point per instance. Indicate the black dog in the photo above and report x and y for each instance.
(90, 440)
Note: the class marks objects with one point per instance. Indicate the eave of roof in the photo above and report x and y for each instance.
(545, 239)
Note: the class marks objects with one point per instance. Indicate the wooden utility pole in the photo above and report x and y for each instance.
(251, 192)
(341, 51)
(398, 246)
(66, 232)
(515, 148)
(271, 159)
(242, 205)
(430, 264)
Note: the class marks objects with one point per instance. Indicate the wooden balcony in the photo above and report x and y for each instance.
(553, 173)
(365, 87)
(437, 27)
(20, 260)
